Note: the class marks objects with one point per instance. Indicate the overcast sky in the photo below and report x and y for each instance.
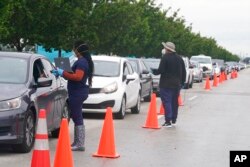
(227, 21)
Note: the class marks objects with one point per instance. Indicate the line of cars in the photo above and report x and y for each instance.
(28, 86)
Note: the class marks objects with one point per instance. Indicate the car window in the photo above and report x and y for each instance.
(106, 68)
(125, 69)
(202, 59)
(143, 66)
(130, 68)
(134, 65)
(38, 70)
(152, 63)
(48, 66)
(13, 70)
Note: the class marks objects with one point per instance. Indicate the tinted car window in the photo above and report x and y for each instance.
(13, 70)
(38, 70)
(106, 68)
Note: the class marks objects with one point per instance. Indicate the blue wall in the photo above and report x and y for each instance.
(54, 53)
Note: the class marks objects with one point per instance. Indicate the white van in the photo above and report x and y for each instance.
(206, 64)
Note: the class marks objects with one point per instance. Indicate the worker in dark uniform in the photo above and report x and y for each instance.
(78, 90)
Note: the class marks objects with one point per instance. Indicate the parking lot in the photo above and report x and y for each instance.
(210, 124)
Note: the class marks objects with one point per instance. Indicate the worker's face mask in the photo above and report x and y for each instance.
(163, 52)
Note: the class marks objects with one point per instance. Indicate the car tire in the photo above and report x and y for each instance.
(186, 85)
(137, 107)
(28, 132)
(122, 111)
(148, 98)
(65, 114)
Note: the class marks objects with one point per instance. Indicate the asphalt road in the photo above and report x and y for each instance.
(210, 124)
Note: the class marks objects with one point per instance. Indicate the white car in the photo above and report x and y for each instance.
(206, 64)
(189, 74)
(115, 85)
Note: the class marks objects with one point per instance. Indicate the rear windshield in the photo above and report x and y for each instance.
(152, 63)
(13, 70)
(203, 60)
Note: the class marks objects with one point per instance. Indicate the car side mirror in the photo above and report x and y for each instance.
(145, 72)
(130, 78)
(44, 82)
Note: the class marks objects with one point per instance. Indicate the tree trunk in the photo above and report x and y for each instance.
(60, 53)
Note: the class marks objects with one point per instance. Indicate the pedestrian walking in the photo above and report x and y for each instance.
(78, 90)
(173, 74)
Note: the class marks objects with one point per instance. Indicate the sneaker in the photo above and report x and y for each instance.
(174, 123)
(167, 124)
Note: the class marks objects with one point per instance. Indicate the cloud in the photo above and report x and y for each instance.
(228, 21)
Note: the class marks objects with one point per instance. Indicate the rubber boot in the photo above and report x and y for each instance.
(80, 139)
(75, 137)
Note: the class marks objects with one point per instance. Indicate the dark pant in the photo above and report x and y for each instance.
(169, 98)
(75, 106)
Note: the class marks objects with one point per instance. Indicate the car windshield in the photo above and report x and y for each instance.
(152, 63)
(106, 68)
(201, 59)
(13, 70)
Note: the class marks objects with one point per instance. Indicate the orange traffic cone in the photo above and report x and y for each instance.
(107, 140)
(41, 155)
(220, 79)
(225, 75)
(207, 85)
(180, 102)
(232, 74)
(162, 111)
(215, 83)
(236, 74)
(63, 156)
(152, 120)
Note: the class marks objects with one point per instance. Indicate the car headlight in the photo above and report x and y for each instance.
(10, 104)
(110, 88)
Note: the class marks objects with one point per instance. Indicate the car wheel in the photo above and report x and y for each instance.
(122, 111)
(186, 85)
(65, 114)
(28, 132)
(148, 98)
(137, 107)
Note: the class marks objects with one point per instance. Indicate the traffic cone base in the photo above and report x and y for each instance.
(152, 120)
(106, 156)
(106, 147)
(42, 158)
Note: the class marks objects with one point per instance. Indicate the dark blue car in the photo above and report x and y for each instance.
(26, 86)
